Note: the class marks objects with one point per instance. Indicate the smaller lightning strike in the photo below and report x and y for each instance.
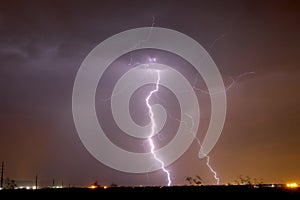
(153, 128)
(205, 155)
(197, 139)
(233, 82)
(208, 163)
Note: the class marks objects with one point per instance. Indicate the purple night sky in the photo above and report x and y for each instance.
(256, 44)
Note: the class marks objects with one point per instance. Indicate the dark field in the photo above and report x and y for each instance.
(188, 192)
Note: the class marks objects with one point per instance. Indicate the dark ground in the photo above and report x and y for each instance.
(188, 192)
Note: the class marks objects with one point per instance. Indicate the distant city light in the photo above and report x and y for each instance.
(105, 187)
(92, 186)
(292, 185)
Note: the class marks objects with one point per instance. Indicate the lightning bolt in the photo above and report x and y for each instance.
(233, 82)
(205, 155)
(153, 128)
(208, 163)
(154, 92)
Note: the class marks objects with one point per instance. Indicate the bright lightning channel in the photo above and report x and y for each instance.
(205, 155)
(233, 82)
(208, 163)
(153, 128)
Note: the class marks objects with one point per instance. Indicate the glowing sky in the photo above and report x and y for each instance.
(255, 43)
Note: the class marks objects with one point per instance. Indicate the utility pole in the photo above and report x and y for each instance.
(2, 171)
(36, 182)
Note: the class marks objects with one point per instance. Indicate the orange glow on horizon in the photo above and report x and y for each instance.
(292, 185)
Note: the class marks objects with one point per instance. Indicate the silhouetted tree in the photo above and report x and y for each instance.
(10, 184)
(96, 184)
(197, 180)
(257, 181)
(248, 181)
(189, 179)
